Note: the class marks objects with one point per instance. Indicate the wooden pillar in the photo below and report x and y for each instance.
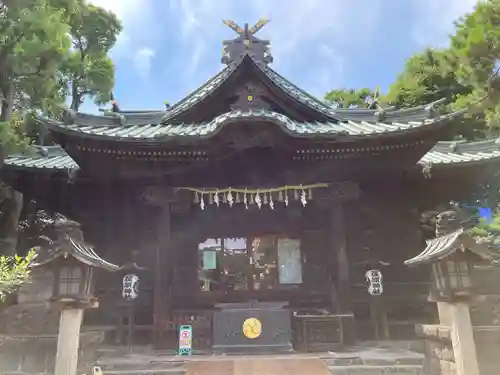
(68, 341)
(335, 199)
(339, 243)
(163, 274)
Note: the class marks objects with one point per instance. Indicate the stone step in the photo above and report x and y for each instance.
(335, 370)
(377, 370)
(130, 365)
(171, 371)
(358, 361)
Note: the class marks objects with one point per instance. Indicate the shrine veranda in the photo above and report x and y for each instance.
(251, 195)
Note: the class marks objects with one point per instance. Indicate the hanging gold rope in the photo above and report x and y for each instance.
(255, 191)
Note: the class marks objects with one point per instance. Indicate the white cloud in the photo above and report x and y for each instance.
(142, 61)
(134, 14)
(299, 30)
(124, 9)
(434, 19)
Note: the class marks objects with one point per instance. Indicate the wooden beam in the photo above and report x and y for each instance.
(339, 243)
(163, 274)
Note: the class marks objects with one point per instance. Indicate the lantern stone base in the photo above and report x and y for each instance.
(68, 341)
(462, 337)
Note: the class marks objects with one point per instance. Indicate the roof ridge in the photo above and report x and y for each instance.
(176, 108)
(318, 104)
(310, 96)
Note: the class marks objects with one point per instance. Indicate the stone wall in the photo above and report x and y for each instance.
(35, 355)
(28, 332)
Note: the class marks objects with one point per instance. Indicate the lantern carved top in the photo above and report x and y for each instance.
(72, 262)
(451, 237)
(70, 243)
(452, 254)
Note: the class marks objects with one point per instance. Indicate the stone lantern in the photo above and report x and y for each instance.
(72, 263)
(451, 276)
(451, 256)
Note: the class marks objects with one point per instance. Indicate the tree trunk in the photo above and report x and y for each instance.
(10, 208)
(7, 107)
(76, 97)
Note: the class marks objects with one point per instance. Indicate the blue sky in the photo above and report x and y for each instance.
(170, 47)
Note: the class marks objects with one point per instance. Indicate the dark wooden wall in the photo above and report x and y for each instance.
(383, 224)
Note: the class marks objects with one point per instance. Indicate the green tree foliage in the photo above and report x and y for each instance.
(346, 98)
(462, 73)
(428, 76)
(49, 50)
(33, 41)
(432, 75)
(476, 46)
(488, 232)
(14, 273)
(87, 70)
(12, 135)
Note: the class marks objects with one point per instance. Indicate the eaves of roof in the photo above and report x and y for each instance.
(461, 154)
(110, 130)
(465, 153)
(80, 251)
(52, 158)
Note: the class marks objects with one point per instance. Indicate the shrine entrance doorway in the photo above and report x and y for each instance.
(268, 262)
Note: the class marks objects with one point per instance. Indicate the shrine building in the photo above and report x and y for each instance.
(255, 209)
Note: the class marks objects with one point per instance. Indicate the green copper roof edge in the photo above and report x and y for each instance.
(322, 107)
(436, 156)
(176, 109)
(210, 129)
(464, 146)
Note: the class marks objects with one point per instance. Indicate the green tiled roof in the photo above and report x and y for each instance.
(444, 153)
(463, 152)
(392, 114)
(199, 94)
(298, 94)
(53, 157)
(89, 125)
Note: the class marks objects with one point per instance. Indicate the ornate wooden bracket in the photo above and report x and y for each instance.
(340, 191)
(250, 97)
(158, 195)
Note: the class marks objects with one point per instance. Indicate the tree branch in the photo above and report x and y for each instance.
(37, 73)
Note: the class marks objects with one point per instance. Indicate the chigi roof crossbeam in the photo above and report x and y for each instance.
(246, 44)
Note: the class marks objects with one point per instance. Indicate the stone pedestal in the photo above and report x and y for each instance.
(68, 341)
(456, 315)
